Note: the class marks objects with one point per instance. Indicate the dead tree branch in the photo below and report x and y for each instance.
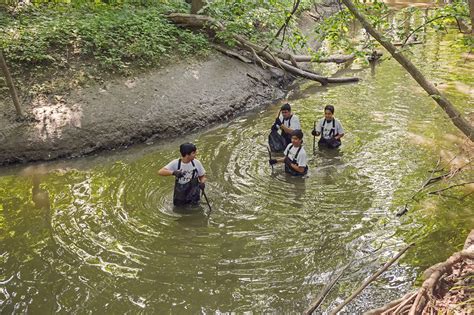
(320, 298)
(264, 57)
(369, 281)
(11, 85)
(452, 186)
(284, 26)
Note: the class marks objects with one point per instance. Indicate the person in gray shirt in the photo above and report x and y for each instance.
(329, 128)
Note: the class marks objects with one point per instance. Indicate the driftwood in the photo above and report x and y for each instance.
(262, 55)
(333, 58)
(389, 307)
(231, 53)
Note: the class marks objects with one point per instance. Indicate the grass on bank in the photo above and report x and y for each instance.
(93, 40)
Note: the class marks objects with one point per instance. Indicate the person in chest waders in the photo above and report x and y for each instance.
(287, 122)
(295, 156)
(330, 129)
(190, 176)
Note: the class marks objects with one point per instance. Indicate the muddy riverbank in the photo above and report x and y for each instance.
(163, 104)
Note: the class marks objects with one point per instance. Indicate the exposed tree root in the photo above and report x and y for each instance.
(263, 55)
(434, 296)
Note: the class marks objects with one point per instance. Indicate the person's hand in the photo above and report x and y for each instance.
(178, 174)
(314, 132)
(272, 161)
(202, 186)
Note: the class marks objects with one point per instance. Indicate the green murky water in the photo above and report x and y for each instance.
(99, 235)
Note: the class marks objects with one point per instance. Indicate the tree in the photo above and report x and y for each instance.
(432, 91)
(471, 13)
(196, 5)
(11, 86)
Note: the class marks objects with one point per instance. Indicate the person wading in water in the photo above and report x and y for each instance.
(295, 156)
(329, 128)
(287, 122)
(190, 176)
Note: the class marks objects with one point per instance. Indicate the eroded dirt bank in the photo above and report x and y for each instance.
(166, 103)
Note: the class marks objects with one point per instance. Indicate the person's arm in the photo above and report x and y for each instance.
(201, 172)
(165, 172)
(302, 162)
(286, 129)
(340, 131)
(170, 169)
(316, 132)
(299, 169)
(295, 124)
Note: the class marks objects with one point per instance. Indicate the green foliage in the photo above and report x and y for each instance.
(395, 25)
(258, 20)
(113, 36)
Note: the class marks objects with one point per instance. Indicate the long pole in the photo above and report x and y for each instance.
(314, 137)
(207, 201)
(270, 155)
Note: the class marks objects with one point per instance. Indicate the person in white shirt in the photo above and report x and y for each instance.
(295, 156)
(190, 176)
(287, 122)
(330, 129)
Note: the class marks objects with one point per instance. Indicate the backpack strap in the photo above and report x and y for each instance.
(322, 127)
(297, 152)
(289, 149)
(194, 170)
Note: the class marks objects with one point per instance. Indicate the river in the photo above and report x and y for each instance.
(99, 234)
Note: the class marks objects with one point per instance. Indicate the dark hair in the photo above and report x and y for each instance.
(187, 148)
(286, 106)
(329, 108)
(297, 133)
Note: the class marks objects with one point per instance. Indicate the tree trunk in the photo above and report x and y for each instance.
(11, 86)
(471, 13)
(196, 5)
(442, 101)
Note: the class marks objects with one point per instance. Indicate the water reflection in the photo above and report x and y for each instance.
(102, 235)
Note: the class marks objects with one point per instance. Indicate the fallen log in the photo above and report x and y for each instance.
(231, 53)
(265, 57)
(329, 59)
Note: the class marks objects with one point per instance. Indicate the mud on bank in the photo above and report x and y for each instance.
(164, 104)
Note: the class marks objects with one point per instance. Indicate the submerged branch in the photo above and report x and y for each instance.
(369, 281)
